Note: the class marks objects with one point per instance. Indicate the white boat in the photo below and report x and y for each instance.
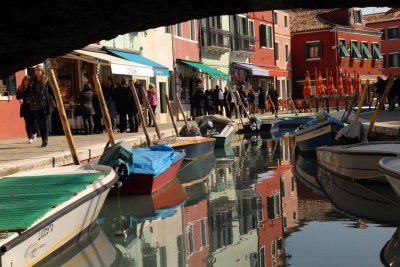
(391, 168)
(42, 210)
(357, 161)
(218, 127)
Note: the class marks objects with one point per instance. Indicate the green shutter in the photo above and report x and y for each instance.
(343, 51)
(320, 50)
(365, 50)
(377, 53)
(355, 52)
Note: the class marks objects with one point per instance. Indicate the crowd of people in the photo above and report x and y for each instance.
(233, 102)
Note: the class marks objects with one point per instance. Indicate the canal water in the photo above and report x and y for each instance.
(261, 204)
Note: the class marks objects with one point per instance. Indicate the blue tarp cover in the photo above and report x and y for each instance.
(153, 160)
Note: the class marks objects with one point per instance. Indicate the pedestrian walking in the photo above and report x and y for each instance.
(226, 102)
(198, 101)
(23, 93)
(261, 100)
(209, 103)
(124, 99)
(153, 101)
(380, 86)
(87, 110)
(109, 96)
(42, 102)
(273, 94)
(218, 98)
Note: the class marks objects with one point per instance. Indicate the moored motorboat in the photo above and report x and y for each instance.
(363, 199)
(150, 170)
(42, 210)
(357, 161)
(287, 124)
(218, 127)
(391, 168)
(317, 134)
(194, 146)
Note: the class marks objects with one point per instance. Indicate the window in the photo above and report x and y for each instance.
(203, 233)
(167, 29)
(394, 60)
(276, 50)
(283, 189)
(179, 29)
(275, 17)
(11, 84)
(294, 216)
(273, 248)
(269, 36)
(261, 255)
(313, 50)
(280, 243)
(181, 255)
(214, 22)
(287, 52)
(286, 21)
(357, 16)
(163, 256)
(251, 28)
(242, 25)
(191, 239)
(284, 221)
(383, 35)
(263, 39)
(342, 48)
(376, 53)
(365, 50)
(354, 52)
(192, 30)
(384, 61)
(393, 33)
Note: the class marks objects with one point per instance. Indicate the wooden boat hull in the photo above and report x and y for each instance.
(225, 137)
(145, 184)
(359, 161)
(322, 134)
(289, 123)
(363, 199)
(195, 148)
(60, 225)
(193, 171)
(391, 169)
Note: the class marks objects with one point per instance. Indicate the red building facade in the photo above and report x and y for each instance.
(388, 24)
(333, 39)
(185, 42)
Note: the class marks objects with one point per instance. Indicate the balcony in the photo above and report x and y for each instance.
(215, 40)
(243, 45)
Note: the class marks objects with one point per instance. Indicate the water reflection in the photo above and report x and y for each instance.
(250, 210)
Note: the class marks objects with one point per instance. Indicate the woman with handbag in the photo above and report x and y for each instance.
(41, 102)
(23, 94)
(86, 107)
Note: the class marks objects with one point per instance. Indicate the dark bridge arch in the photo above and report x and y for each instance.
(34, 30)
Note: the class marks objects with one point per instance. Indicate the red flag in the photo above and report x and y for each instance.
(307, 85)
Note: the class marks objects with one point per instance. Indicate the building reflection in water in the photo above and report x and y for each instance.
(238, 216)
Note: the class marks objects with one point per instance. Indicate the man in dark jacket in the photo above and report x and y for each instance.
(380, 88)
(261, 100)
(198, 100)
(123, 98)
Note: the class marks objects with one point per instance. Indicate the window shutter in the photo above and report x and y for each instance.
(306, 51)
(320, 49)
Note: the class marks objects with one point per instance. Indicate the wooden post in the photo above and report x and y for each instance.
(381, 103)
(363, 97)
(104, 110)
(171, 115)
(294, 106)
(63, 118)
(273, 106)
(183, 113)
(153, 117)
(139, 107)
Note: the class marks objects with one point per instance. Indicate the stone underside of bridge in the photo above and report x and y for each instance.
(32, 31)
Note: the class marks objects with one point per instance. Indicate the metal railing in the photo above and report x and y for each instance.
(243, 43)
(212, 37)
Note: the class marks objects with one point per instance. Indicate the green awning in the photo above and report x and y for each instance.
(214, 73)
(355, 50)
(377, 53)
(344, 51)
(365, 50)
